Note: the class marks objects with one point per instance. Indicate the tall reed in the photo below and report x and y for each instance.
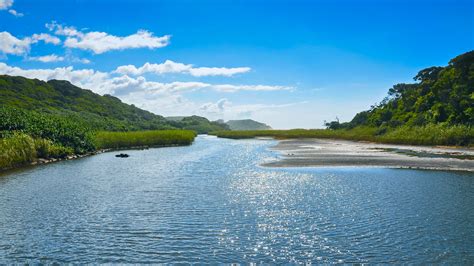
(432, 134)
(117, 140)
(19, 148)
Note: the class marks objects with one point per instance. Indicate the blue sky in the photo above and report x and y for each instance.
(287, 63)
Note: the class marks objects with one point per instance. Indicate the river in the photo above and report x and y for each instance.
(212, 202)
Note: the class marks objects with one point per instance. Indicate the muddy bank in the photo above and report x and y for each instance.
(339, 153)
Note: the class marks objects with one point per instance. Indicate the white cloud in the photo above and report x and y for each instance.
(173, 67)
(84, 78)
(47, 58)
(15, 13)
(218, 71)
(9, 44)
(215, 108)
(62, 30)
(46, 38)
(5, 4)
(101, 42)
(234, 88)
(103, 82)
(224, 109)
(81, 60)
(167, 67)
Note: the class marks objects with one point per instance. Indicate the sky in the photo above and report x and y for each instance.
(290, 64)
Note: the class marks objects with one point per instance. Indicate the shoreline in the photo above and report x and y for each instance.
(321, 153)
(42, 161)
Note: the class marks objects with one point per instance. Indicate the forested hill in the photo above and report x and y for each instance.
(247, 124)
(100, 112)
(440, 95)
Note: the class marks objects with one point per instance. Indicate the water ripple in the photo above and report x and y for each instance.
(211, 202)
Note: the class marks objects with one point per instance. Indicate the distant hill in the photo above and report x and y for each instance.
(175, 118)
(247, 124)
(106, 112)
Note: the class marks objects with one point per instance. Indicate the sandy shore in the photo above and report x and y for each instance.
(330, 153)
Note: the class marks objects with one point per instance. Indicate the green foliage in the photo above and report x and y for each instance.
(432, 134)
(47, 149)
(116, 140)
(16, 149)
(58, 129)
(442, 95)
(106, 112)
(19, 148)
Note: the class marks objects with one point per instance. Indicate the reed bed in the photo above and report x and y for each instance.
(119, 140)
(18, 149)
(433, 134)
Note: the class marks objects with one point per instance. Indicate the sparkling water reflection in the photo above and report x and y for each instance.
(211, 202)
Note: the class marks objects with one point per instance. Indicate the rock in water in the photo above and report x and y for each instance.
(122, 155)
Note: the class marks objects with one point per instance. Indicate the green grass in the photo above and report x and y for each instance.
(19, 149)
(433, 134)
(118, 140)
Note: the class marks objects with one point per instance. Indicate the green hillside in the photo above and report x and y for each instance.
(441, 95)
(106, 112)
(247, 124)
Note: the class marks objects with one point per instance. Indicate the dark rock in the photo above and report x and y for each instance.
(122, 155)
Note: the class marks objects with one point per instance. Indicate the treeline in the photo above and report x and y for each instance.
(441, 95)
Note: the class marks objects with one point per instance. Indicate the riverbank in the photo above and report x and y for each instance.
(431, 134)
(342, 153)
(20, 149)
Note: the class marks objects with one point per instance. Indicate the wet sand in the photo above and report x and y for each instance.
(340, 153)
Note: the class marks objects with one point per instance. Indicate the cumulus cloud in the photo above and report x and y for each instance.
(174, 67)
(81, 60)
(234, 88)
(47, 58)
(84, 78)
(101, 42)
(5, 4)
(215, 108)
(10, 44)
(62, 30)
(46, 38)
(15, 13)
(104, 82)
(217, 71)
(224, 109)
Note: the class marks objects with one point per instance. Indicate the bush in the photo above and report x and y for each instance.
(58, 129)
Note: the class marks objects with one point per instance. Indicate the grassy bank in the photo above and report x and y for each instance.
(18, 149)
(423, 135)
(26, 136)
(118, 140)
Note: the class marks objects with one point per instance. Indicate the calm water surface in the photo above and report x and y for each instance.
(211, 202)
